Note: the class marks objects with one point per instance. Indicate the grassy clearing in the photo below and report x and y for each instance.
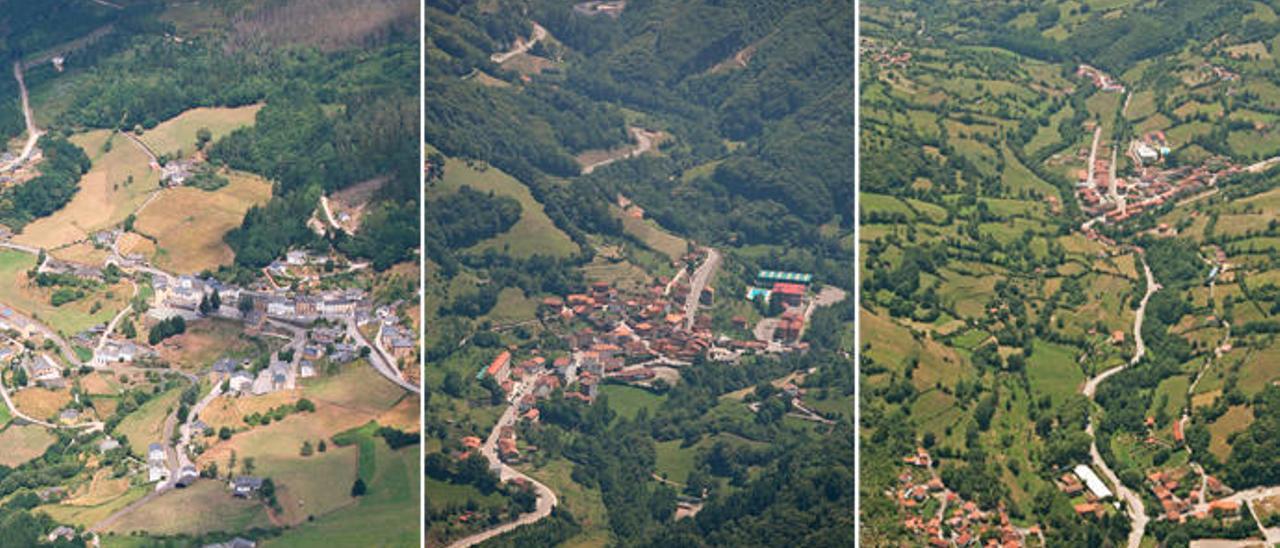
(84, 516)
(70, 318)
(177, 136)
(1052, 370)
(674, 462)
(584, 503)
(387, 516)
(189, 223)
(106, 195)
(533, 234)
(143, 427)
(628, 401)
(1236, 419)
(654, 236)
(513, 306)
(23, 443)
(206, 506)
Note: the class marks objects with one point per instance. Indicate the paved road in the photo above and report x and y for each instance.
(643, 144)
(1093, 155)
(697, 283)
(380, 359)
(1137, 512)
(520, 46)
(33, 132)
(546, 498)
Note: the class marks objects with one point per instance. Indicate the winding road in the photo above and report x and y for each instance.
(644, 143)
(546, 498)
(1137, 512)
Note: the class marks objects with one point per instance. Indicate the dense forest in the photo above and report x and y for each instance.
(792, 173)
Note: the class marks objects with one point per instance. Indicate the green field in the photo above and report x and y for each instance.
(68, 319)
(143, 427)
(628, 401)
(177, 136)
(204, 507)
(533, 234)
(585, 504)
(387, 516)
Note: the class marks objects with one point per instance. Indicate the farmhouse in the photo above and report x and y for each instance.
(499, 368)
(397, 341)
(223, 368)
(42, 370)
(108, 444)
(241, 381)
(187, 476)
(116, 352)
(157, 463)
(245, 486)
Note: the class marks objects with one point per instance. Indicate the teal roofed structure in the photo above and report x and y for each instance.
(772, 276)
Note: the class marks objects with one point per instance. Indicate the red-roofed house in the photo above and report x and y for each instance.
(500, 368)
(789, 293)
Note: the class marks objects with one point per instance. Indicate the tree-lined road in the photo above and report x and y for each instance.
(546, 497)
(1137, 512)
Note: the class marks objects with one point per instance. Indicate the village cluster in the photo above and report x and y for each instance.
(942, 518)
(639, 338)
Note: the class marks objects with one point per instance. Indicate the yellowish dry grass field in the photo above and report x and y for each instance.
(105, 197)
(82, 252)
(189, 223)
(97, 384)
(403, 416)
(178, 135)
(654, 236)
(41, 403)
(89, 515)
(134, 243)
(230, 411)
(101, 489)
(204, 342)
(23, 443)
(1237, 418)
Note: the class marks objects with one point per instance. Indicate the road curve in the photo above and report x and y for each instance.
(546, 498)
(643, 144)
(1137, 512)
(379, 358)
(520, 46)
